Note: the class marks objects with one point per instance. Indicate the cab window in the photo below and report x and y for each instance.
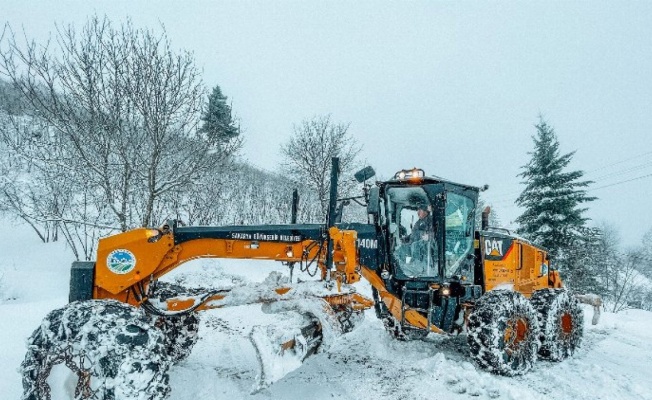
(459, 225)
(413, 244)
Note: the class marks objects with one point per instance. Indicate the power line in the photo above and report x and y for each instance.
(508, 201)
(621, 182)
(625, 171)
(507, 194)
(507, 198)
(619, 162)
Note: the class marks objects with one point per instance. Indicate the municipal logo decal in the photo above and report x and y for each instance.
(121, 261)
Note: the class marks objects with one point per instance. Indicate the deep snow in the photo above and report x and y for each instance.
(613, 363)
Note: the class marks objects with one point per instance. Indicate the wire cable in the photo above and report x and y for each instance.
(620, 182)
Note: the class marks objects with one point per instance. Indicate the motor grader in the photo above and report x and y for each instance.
(123, 327)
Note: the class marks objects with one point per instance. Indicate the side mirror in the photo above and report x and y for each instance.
(364, 174)
(373, 206)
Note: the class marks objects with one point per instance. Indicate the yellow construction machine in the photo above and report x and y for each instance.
(430, 269)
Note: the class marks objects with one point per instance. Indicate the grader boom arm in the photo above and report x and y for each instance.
(127, 262)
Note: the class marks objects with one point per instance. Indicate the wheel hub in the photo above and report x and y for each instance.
(566, 323)
(515, 334)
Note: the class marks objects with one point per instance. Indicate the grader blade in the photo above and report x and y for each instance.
(281, 348)
(592, 300)
(303, 327)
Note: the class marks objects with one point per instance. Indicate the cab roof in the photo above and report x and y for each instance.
(420, 178)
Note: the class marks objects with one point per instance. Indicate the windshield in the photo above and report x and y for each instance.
(413, 243)
(425, 221)
(459, 235)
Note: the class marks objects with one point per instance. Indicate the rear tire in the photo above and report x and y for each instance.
(561, 321)
(110, 346)
(503, 333)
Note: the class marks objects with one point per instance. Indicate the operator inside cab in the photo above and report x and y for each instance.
(416, 253)
(422, 235)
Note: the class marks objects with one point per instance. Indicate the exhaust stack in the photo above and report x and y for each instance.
(485, 218)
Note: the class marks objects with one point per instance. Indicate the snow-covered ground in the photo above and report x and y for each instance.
(613, 363)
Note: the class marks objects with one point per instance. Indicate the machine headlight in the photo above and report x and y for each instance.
(415, 173)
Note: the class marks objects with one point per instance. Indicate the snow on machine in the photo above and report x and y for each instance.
(430, 271)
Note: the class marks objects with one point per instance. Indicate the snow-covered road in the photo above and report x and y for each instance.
(613, 363)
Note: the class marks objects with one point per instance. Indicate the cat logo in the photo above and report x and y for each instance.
(493, 247)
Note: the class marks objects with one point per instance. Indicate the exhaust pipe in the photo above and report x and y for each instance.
(485, 218)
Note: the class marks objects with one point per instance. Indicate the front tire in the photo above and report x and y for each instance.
(109, 348)
(181, 334)
(561, 321)
(503, 333)
(181, 331)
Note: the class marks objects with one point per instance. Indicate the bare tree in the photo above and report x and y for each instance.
(33, 190)
(308, 156)
(38, 186)
(601, 267)
(646, 250)
(628, 288)
(494, 220)
(251, 196)
(124, 105)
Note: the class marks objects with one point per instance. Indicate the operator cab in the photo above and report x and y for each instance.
(430, 227)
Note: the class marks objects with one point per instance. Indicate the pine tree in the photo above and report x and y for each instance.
(552, 198)
(218, 122)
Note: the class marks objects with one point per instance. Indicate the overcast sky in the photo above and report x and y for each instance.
(452, 87)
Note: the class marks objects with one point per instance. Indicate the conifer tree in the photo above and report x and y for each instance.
(218, 122)
(553, 197)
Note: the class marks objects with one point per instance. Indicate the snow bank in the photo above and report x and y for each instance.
(613, 362)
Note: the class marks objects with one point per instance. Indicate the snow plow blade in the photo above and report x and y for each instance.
(593, 300)
(280, 351)
(302, 328)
